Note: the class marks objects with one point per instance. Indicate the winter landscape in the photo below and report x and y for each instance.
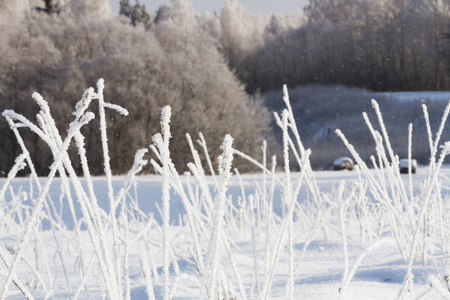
(179, 154)
(308, 234)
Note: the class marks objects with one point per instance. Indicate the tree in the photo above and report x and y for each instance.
(80, 9)
(51, 7)
(176, 62)
(203, 91)
(137, 13)
(379, 45)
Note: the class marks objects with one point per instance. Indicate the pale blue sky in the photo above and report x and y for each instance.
(253, 6)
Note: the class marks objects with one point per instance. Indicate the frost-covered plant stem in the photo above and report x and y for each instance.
(107, 167)
(280, 236)
(34, 178)
(356, 264)
(148, 275)
(234, 267)
(440, 130)
(85, 278)
(251, 201)
(312, 184)
(19, 165)
(88, 205)
(383, 130)
(202, 143)
(196, 156)
(93, 217)
(441, 219)
(162, 142)
(380, 194)
(429, 134)
(408, 281)
(342, 211)
(225, 161)
(391, 169)
(75, 126)
(411, 195)
(288, 199)
(48, 125)
(22, 287)
(436, 285)
(194, 222)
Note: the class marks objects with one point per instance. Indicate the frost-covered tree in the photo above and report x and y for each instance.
(243, 35)
(176, 62)
(51, 7)
(81, 8)
(380, 45)
(136, 13)
(204, 92)
(241, 32)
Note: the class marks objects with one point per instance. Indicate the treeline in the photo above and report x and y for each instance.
(60, 51)
(381, 45)
(209, 67)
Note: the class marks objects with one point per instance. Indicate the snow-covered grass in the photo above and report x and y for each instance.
(371, 233)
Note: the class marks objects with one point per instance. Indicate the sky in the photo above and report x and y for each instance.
(252, 6)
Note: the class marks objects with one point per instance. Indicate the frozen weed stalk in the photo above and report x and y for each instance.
(96, 220)
(410, 218)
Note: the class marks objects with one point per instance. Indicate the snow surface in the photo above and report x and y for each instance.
(422, 96)
(318, 275)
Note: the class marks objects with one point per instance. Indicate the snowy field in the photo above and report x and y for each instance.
(318, 272)
(370, 233)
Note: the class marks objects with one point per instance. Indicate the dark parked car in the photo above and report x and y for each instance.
(343, 163)
(404, 166)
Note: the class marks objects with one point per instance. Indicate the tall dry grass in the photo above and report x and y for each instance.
(380, 203)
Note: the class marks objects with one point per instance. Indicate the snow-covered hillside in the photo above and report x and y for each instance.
(413, 96)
